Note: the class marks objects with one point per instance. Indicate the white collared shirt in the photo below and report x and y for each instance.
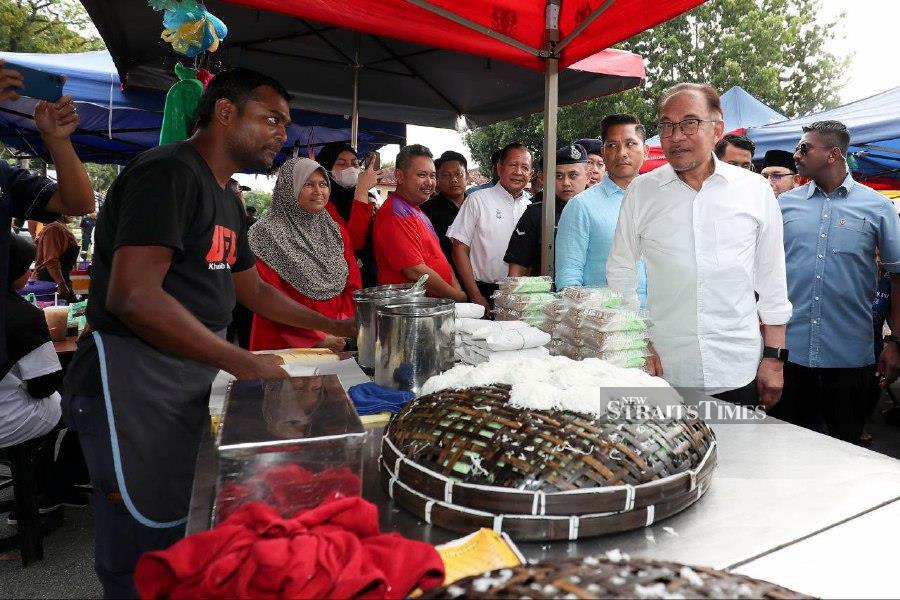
(485, 223)
(706, 253)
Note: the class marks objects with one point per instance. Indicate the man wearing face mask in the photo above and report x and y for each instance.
(351, 204)
(406, 244)
(485, 223)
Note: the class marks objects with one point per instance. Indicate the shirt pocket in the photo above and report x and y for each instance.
(735, 240)
(848, 235)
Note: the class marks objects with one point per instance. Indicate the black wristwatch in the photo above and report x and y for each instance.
(779, 353)
(891, 338)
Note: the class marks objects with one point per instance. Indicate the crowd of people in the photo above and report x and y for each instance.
(759, 287)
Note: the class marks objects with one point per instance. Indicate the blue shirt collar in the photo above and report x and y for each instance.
(609, 186)
(845, 186)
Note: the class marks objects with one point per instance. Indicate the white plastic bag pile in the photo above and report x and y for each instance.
(523, 299)
(592, 323)
(478, 341)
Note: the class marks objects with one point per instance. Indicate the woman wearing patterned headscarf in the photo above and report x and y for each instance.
(305, 253)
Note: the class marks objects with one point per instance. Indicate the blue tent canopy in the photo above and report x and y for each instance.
(874, 125)
(115, 125)
(741, 110)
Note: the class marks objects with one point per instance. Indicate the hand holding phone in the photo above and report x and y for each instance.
(33, 83)
(56, 120)
(10, 82)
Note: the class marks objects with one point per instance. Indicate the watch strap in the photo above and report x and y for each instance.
(778, 353)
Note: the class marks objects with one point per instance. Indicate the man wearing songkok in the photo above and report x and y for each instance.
(780, 170)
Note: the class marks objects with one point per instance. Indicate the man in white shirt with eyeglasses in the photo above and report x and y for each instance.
(710, 235)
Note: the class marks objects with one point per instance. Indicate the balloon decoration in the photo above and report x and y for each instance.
(189, 27)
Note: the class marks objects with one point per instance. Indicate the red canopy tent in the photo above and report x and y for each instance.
(545, 35)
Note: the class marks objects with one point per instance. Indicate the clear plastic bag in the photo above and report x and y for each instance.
(526, 285)
(604, 297)
(629, 359)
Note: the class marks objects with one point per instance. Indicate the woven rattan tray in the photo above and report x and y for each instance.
(464, 459)
(614, 577)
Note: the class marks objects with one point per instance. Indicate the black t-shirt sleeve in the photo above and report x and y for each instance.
(157, 204)
(525, 240)
(29, 194)
(245, 256)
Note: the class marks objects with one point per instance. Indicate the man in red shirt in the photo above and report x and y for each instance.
(406, 245)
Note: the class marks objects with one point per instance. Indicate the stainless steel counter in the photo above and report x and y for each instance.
(785, 504)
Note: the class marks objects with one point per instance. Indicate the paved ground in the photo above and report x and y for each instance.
(67, 569)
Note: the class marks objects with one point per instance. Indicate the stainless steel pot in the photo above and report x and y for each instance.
(415, 341)
(367, 302)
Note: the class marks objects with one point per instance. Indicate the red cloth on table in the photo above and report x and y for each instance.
(403, 238)
(358, 225)
(269, 335)
(333, 551)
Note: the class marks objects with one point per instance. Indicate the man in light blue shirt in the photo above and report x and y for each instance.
(832, 228)
(588, 222)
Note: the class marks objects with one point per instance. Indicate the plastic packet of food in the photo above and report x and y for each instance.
(602, 296)
(523, 301)
(617, 341)
(615, 320)
(526, 285)
(629, 359)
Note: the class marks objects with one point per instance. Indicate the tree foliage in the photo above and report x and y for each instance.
(777, 50)
(259, 199)
(46, 26)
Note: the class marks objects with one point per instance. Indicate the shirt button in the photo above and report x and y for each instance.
(818, 277)
(820, 256)
(824, 216)
(817, 298)
(823, 235)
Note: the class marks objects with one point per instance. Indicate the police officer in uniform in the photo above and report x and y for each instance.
(524, 252)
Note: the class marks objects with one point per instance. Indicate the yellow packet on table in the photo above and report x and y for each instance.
(477, 553)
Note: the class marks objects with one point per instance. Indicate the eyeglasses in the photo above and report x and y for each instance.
(776, 177)
(804, 148)
(687, 126)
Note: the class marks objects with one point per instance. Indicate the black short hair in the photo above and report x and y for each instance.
(406, 154)
(622, 119)
(451, 156)
(236, 85)
(505, 150)
(251, 210)
(835, 132)
(738, 141)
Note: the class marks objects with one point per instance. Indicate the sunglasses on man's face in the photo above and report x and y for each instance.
(804, 148)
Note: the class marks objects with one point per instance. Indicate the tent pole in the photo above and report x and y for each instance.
(354, 109)
(551, 105)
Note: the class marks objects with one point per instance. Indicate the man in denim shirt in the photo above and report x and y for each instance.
(24, 195)
(832, 228)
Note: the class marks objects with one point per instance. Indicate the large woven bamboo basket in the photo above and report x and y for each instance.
(465, 459)
(591, 577)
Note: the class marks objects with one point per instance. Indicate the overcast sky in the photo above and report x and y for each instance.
(870, 32)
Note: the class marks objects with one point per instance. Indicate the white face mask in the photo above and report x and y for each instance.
(348, 177)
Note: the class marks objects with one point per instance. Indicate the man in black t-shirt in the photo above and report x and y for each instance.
(171, 256)
(442, 208)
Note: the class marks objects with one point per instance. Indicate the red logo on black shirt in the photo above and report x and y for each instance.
(223, 249)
